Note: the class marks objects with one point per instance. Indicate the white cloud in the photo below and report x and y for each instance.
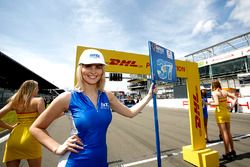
(204, 26)
(242, 12)
(96, 28)
(230, 3)
(123, 26)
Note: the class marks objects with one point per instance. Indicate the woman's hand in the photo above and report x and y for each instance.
(13, 126)
(73, 143)
(153, 90)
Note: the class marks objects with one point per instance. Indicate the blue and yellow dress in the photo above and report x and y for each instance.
(21, 144)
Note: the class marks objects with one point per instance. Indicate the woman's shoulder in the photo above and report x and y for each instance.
(109, 94)
(64, 95)
(37, 99)
(224, 93)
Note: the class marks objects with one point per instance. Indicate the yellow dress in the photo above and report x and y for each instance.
(21, 144)
(222, 113)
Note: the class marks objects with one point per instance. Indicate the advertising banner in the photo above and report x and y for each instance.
(121, 62)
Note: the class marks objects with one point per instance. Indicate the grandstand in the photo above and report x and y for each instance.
(228, 61)
(13, 74)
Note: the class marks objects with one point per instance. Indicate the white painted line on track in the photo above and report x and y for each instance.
(177, 153)
(234, 138)
(142, 161)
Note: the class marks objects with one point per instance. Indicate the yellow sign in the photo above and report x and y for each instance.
(121, 62)
(195, 107)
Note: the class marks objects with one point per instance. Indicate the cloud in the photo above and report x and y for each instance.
(34, 33)
(230, 3)
(242, 12)
(204, 26)
(94, 27)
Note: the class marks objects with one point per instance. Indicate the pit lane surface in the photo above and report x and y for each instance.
(131, 142)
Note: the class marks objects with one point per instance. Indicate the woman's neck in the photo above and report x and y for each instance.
(89, 89)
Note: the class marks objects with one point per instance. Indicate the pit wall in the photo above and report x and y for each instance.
(243, 104)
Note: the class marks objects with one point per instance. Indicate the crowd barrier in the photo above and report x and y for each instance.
(182, 103)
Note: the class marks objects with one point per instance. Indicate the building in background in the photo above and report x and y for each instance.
(13, 74)
(228, 61)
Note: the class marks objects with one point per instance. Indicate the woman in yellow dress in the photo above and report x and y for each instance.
(222, 116)
(21, 144)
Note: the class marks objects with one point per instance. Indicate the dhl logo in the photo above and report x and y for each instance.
(133, 63)
(180, 68)
(197, 117)
(119, 62)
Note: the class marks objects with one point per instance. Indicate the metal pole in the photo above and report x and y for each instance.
(157, 138)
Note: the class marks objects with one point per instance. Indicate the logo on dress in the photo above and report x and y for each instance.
(105, 106)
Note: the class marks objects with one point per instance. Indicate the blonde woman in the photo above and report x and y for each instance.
(222, 116)
(21, 144)
(89, 107)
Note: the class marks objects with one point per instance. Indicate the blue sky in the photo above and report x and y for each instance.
(43, 35)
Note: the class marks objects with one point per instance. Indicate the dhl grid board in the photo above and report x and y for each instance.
(131, 63)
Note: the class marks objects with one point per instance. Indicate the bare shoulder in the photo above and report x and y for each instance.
(224, 92)
(110, 95)
(214, 93)
(63, 97)
(37, 100)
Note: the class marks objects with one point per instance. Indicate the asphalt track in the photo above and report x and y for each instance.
(131, 142)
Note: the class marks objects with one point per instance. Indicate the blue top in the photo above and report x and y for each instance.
(90, 123)
(204, 107)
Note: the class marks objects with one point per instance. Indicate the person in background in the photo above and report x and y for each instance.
(130, 101)
(222, 116)
(138, 98)
(236, 106)
(90, 108)
(21, 144)
(204, 108)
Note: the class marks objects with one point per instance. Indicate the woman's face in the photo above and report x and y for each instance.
(92, 73)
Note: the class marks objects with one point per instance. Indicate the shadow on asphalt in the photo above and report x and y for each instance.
(238, 157)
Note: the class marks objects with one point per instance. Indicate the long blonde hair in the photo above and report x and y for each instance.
(80, 82)
(24, 94)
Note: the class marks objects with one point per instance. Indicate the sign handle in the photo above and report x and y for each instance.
(157, 138)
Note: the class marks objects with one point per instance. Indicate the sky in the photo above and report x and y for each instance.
(43, 35)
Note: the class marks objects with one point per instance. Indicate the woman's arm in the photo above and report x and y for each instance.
(233, 97)
(215, 98)
(38, 128)
(7, 108)
(120, 108)
(40, 105)
(6, 126)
